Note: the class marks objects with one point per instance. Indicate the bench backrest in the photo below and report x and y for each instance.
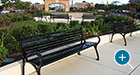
(48, 41)
(88, 16)
(125, 24)
(65, 16)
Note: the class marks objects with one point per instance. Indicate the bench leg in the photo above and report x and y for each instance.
(96, 52)
(37, 68)
(82, 19)
(38, 71)
(67, 20)
(124, 40)
(131, 34)
(53, 20)
(112, 37)
(23, 67)
(79, 53)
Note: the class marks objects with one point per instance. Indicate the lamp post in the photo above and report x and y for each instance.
(72, 3)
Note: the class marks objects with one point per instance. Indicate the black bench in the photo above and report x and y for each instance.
(59, 16)
(50, 47)
(123, 28)
(88, 16)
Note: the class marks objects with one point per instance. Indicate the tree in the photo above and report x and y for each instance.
(89, 7)
(84, 1)
(135, 5)
(101, 6)
(37, 3)
(115, 2)
(22, 5)
(7, 3)
(15, 4)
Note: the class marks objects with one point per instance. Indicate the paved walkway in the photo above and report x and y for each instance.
(87, 65)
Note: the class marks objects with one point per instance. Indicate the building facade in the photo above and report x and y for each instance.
(57, 5)
(39, 6)
(133, 0)
(81, 5)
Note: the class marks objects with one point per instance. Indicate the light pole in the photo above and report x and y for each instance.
(72, 3)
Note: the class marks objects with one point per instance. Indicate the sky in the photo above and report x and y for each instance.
(94, 1)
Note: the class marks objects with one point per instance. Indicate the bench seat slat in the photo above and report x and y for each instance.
(63, 53)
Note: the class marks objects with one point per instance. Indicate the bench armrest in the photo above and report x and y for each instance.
(99, 39)
(39, 57)
(70, 17)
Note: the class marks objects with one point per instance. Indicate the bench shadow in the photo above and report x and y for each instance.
(94, 61)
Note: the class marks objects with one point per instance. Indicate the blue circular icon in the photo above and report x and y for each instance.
(122, 57)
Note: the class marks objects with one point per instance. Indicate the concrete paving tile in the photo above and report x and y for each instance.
(136, 71)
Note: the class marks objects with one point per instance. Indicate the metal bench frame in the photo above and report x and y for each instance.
(38, 44)
(123, 28)
(88, 16)
(60, 16)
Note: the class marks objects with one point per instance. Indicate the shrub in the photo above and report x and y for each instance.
(106, 28)
(12, 43)
(97, 22)
(4, 20)
(31, 12)
(3, 52)
(62, 26)
(3, 30)
(86, 26)
(94, 29)
(85, 23)
(15, 30)
(45, 13)
(112, 18)
(95, 12)
(27, 30)
(3, 35)
(54, 26)
(74, 24)
(101, 20)
(92, 23)
(28, 17)
(45, 28)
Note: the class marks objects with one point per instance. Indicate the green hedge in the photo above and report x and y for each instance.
(106, 28)
(85, 23)
(45, 28)
(45, 13)
(6, 20)
(74, 24)
(62, 26)
(112, 18)
(15, 30)
(27, 30)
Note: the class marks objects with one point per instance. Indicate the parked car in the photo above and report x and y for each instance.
(101, 10)
(0, 13)
(5, 11)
